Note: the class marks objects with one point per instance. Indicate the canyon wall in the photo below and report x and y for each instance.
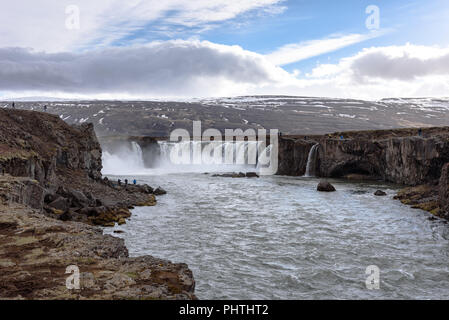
(41, 146)
(51, 193)
(408, 160)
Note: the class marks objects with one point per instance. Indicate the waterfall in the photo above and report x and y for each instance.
(185, 156)
(138, 154)
(311, 161)
(126, 160)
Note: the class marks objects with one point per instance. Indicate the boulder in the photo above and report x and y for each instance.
(380, 193)
(60, 203)
(66, 216)
(159, 191)
(443, 192)
(325, 186)
(252, 175)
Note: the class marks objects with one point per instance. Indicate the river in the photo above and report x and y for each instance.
(276, 237)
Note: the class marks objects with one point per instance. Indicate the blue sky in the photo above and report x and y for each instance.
(269, 46)
(417, 22)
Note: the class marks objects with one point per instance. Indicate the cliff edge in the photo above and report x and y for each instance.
(52, 195)
(415, 158)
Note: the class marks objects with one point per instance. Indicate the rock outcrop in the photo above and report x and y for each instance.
(395, 156)
(51, 193)
(443, 192)
(43, 148)
(293, 154)
(35, 252)
(404, 156)
(37, 145)
(325, 186)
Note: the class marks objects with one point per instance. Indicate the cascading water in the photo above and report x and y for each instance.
(311, 161)
(237, 156)
(125, 161)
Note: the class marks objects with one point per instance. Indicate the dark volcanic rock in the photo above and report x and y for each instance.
(380, 193)
(60, 204)
(443, 188)
(325, 186)
(43, 160)
(36, 250)
(42, 146)
(252, 175)
(293, 155)
(159, 191)
(398, 156)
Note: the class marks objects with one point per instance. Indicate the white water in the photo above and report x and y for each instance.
(310, 168)
(235, 157)
(278, 238)
(126, 161)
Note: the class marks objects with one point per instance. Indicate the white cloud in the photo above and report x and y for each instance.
(25, 23)
(296, 52)
(194, 68)
(182, 68)
(393, 71)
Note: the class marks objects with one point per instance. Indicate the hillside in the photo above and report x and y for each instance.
(291, 115)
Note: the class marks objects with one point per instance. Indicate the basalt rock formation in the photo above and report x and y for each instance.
(65, 161)
(36, 251)
(51, 193)
(443, 192)
(293, 155)
(404, 156)
(397, 156)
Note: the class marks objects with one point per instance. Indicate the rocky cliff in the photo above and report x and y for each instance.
(443, 192)
(403, 156)
(397, 156)
(37, 145)
(51, 192)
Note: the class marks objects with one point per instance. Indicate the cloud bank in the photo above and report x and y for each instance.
(181, 68)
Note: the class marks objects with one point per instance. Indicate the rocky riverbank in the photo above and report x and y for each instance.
(52, 195)
(411, 157)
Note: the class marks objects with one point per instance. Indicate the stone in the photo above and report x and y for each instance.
(443, 192)
(252, 175)
(325, 186)
(60, 204)
(159, 191)
(380, 193)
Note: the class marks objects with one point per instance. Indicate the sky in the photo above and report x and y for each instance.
(143, 49)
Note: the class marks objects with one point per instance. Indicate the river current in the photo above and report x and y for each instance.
(276, 237)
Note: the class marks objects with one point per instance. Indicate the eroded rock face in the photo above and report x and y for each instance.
(24, 191)
(443, 189)
(35, 252)
(293, 156)
(40, 146)
(409, 160)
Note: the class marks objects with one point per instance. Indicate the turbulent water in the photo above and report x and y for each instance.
(278, 238)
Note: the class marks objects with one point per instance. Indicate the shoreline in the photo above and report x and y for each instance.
(53, 199)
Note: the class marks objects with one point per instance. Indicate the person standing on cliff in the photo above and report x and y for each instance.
(420, 132)
(13, 105)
